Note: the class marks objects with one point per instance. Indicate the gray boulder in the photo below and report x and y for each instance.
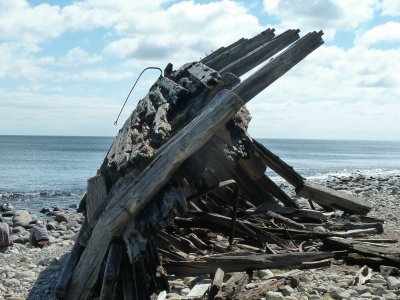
(22, 218)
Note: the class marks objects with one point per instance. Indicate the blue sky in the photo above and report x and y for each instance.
(67, 66)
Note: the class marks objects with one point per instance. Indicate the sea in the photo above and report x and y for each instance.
(50, 171)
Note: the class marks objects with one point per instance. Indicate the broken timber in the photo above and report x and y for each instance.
(185, 137)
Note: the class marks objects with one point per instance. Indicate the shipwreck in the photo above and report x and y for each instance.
(183, 189)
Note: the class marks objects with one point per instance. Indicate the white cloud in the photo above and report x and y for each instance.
(333, 93)
(17, 62)
(390, 7)
(184, 31)
(22, 22)
(388, 32)
(327, 15)
(78, 57)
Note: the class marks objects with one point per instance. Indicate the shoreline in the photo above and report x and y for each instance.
(34, 272)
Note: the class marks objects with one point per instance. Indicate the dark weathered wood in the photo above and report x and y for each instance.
(257, 82)
(65, 278)
(241, 49)
(111, 273)
(245, 262)
(216, 284)
(233, 286)
(279, 166)
(155, 216)
(278, 193)
(96, 196)
(262, 289)
(221, 50)
(392, 258)
(347, 226)
(247, 62)
(197, 292)
(279, 218)
(327, 196)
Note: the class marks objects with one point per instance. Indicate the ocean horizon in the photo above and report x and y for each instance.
(47, 171)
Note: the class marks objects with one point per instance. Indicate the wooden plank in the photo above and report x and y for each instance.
(392, 258)
(95, 198)
(197, 292)
(252, 59)
(122, 207)
(216, 284)
(279, 166)
(244, 263)
(327, 196)
(111, 273)
(223, 49)
(278, 193)
(233, 54)
(233, 286)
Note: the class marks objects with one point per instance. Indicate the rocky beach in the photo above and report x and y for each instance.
(32, 273)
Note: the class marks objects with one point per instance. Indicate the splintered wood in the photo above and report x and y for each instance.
(183, 190)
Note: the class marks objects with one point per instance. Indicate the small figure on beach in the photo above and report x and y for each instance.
(5, 234)
(39, 236)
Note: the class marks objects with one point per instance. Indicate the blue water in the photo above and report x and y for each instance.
(38, 172)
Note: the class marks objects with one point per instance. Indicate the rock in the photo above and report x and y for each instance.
(45, 210)
(57, 209)
(274, 296)
(21, 218)
(18, 229)
(11, 282)
(366, 295)
(287, 290)
(190, 280)
(26, 274)
(71, 224)
(51, 225)
(174, 296)
(393, 283)
(62, 218)
(184, 291)
(391, 296)
(265, 274)
(360, 289)
(73, 206)
(345, 295)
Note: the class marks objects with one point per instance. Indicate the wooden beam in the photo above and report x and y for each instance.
(252, 59)
(242, 263)
(241, 49)
(111, 273)
(327, 196)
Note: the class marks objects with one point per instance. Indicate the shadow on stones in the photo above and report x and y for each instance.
(44, 287)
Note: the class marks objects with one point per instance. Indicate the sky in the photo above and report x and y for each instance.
(66, 67)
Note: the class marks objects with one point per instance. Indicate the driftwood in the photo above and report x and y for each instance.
(184, 178)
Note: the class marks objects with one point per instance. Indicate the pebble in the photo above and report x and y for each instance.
(274, 296)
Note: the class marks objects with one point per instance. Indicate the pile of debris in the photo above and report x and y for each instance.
(183, 188)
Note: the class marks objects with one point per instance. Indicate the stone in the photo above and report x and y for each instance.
(11, 282)
(366, 295)
(62, 218)
(21, 218)
(391, 296)
(361, 289)
(287, 290)
(393, 283)
(274, 296)
(345, 295)
(174, 296)
(184, 291)
(265, 274)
